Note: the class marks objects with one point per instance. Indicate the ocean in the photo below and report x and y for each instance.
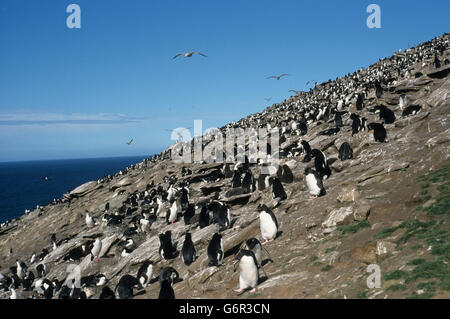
(22, 186)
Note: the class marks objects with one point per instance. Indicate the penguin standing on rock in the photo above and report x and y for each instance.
(95, 252)
(144, 274)
(125, 286)
(166, 249)
(203, 219)
(166, 290)
(285, 175)
(53, 241)
(107, 293)
(169, 273)
(378, 89)
(360, 101)
(171, 214)
(41, 270)
(188, 253)
(89, 221)
(188, 214)
(221, 215)
(356, 124)
(236, 179)
(345, 151)
(248, 271)
(307, 150)
(248, 182)
(278, 189)
(320, 162)
(215, 250)
(268, 223)
(314, 183)
(255, 246)
(379, 132)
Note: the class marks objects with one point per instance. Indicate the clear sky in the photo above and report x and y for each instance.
(77, 93)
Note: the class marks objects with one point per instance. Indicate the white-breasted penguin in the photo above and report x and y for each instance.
(95, 252)
(248, 271)
(53, 241)
(314, 183)
(268, 223)
(145, 273)
(255, 246)
(171, 215)
(320, 162)
(89, 220)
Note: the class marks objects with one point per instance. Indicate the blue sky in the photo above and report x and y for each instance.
(76, 93)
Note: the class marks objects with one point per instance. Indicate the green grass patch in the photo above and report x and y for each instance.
(442, 203)
(353, 228)
(396, 274)
(326, 268)
(435, 269)
(362, 294)
(313, 258)
(385, 232)
(329, 250)
(413, 228)
(397, 287)
(416, 262)
(317, 263)
(429, 289)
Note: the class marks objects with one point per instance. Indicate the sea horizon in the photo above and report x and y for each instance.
(74, 158)
(24, 186)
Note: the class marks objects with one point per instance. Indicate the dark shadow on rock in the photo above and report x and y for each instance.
(262, 279)
(141, 292)
(233, 250)
(266, 261)
(330, 161)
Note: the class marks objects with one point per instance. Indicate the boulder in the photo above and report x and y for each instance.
(348, 194)
(338, 217)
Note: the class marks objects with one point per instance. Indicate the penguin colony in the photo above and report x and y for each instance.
(153, 211)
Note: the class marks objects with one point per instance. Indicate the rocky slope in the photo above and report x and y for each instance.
(388, 206)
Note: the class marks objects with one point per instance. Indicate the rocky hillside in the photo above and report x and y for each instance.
(389, 205)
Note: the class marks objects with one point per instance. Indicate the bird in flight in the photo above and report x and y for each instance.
(267, 99)
(129, 143)
(294, 91)
(188, 54)
(178, 131)
(307, 83)
(278, 77)
(46, 178)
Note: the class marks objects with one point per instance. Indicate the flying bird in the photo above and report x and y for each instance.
(278, 77)
(268, 99)
(307, 83)
(46, 178)
(188, 54)
(178, 131)
(294, 91)
(129, 143)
